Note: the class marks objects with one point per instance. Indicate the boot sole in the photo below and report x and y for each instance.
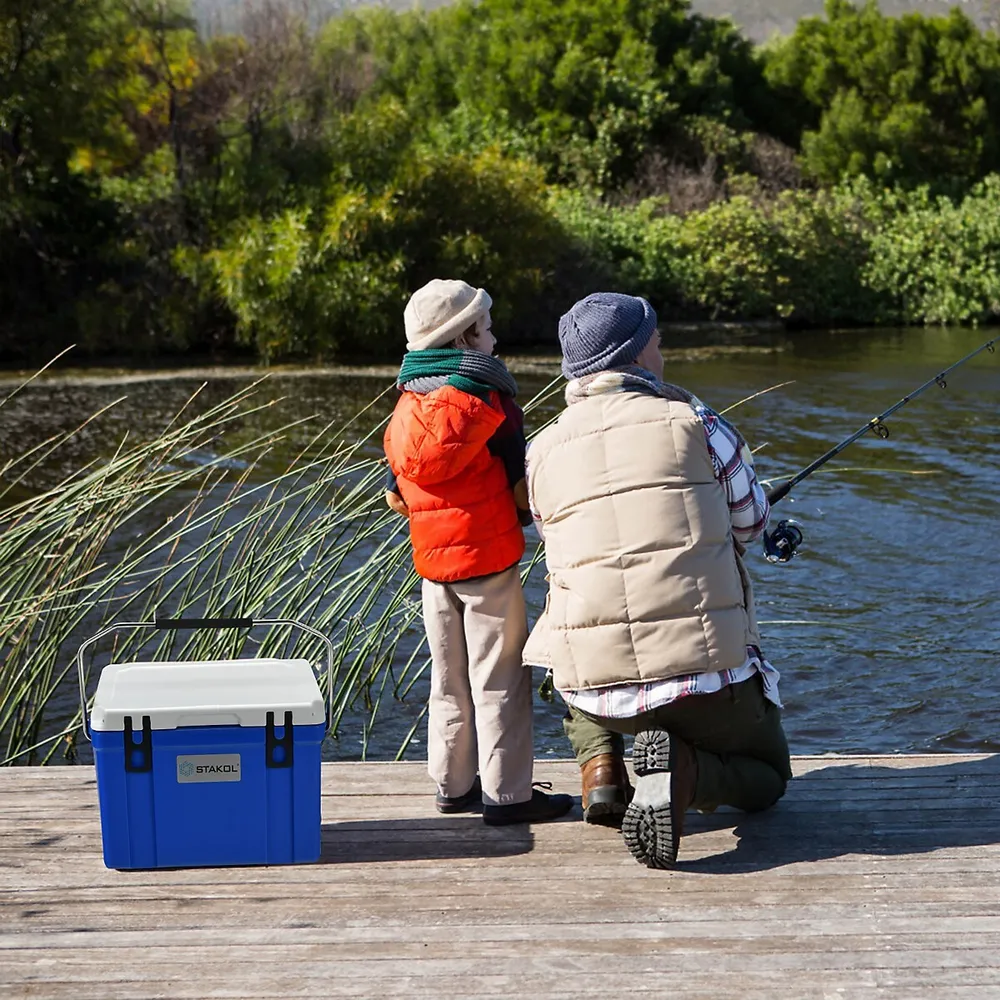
(648, 824)
(605, 806)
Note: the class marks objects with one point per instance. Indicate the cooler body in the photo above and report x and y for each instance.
(208, 763)
(208, 797)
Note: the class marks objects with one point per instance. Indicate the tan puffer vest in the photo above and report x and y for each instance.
(645, 579)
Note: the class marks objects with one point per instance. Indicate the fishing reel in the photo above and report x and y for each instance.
(781, 543)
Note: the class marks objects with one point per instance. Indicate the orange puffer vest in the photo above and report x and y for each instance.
(463, 521)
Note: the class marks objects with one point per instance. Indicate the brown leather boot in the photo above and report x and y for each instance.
(667, 775)
(606, 789)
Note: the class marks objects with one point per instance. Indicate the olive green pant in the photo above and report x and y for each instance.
(736, 735)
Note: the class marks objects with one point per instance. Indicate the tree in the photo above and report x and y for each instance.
(910, 99)
(50, 218)
(588, 87)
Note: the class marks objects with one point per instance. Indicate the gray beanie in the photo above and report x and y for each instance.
(604, 330)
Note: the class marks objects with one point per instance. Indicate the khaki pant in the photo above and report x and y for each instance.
(480, 714)
(736, 735)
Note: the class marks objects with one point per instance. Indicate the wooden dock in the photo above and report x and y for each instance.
(874, 877)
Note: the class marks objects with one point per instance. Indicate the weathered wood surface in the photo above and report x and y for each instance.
(874, 877)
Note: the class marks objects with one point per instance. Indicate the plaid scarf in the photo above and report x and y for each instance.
(630, 378)
(473, 372)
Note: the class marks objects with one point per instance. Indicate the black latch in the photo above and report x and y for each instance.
(138, 756)
(278, 752)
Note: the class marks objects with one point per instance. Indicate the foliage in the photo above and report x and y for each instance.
(854, 254)
(588, 88)
(51, 225)
(282, 191)
(314, 284)
(630, 247)
(797, 258)
(910, 99)
(937, 260)
(93, 164)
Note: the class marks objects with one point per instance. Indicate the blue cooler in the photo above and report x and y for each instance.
(212, 762)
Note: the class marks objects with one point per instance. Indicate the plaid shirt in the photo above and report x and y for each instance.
(748, 511)
(625, 701)
(733, 464)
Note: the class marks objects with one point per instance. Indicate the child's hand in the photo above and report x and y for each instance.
(525, 517)
(521, 496)
(395, 502)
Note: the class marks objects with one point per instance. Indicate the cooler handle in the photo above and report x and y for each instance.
(178, 623)
(183, 623)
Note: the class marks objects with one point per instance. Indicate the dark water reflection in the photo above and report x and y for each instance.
(885, 627)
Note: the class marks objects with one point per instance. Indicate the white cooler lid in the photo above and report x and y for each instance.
(207, 693)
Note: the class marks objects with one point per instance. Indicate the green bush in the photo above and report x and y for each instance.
(856, 254)
(163, 192)
(318, 284)
(937, 260)
(798, 258)
(624, 248)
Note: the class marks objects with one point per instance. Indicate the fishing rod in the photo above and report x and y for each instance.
(781, 543)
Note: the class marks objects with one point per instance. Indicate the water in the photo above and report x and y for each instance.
(885, 626)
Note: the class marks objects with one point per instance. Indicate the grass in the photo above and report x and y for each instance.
(313, 541)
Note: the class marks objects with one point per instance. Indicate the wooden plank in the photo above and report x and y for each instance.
(367, 777)
(552, 985)
(833, 922)
(422, 881)
(801, 800)
(898, 967)
(647, 923)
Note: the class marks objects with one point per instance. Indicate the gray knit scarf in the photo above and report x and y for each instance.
(630, 378)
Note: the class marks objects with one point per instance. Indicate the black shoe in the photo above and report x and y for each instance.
(538, 809)
(468, 802)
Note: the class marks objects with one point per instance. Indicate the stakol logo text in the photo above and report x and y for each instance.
(208, 767)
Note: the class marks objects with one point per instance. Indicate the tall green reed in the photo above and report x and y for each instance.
(230, 536)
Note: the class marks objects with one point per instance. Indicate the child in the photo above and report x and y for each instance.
(455, 446)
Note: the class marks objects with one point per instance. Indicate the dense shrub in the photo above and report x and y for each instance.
(630, 248)
(316, 284)
(797, 258)
(937, 260)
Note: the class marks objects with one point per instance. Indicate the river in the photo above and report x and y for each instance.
(885, 627)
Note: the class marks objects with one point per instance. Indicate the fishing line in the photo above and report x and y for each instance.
(781, 543)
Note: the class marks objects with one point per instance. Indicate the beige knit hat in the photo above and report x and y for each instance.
(440, 311)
